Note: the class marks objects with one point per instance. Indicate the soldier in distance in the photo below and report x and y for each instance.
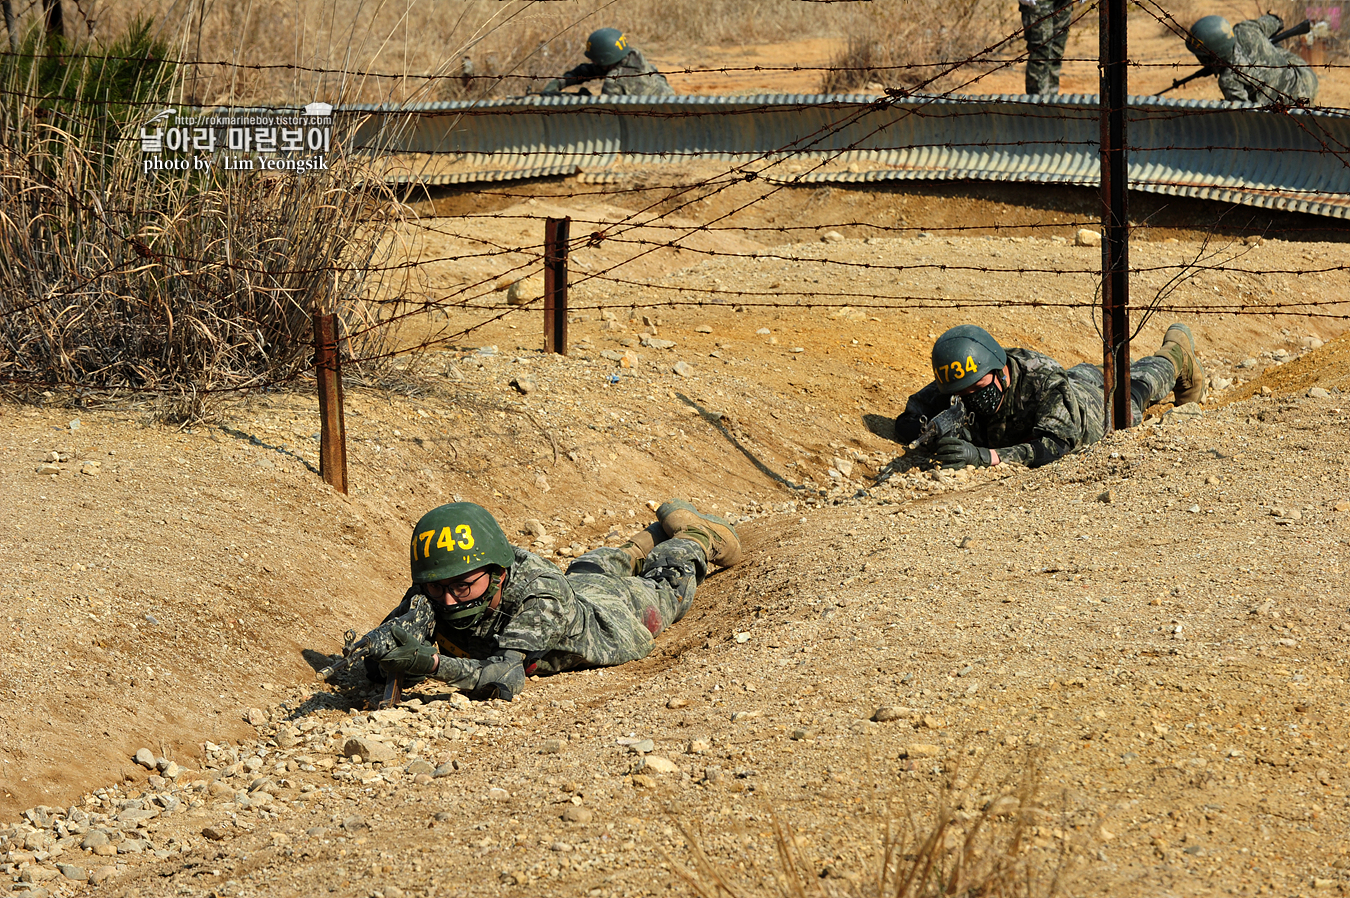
(502, 613)
(1250, 67)
(623, 68)
(1028, 410)
(1045, 23)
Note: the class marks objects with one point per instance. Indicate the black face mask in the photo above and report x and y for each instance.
(986, 400)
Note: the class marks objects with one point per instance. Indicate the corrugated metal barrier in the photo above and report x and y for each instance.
(1297, 160)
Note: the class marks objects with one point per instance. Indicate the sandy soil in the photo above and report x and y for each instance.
(1157, 625)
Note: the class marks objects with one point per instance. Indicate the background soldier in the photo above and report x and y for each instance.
(503, 613)
(1046, 25)
(1251, 68)
(1025, 409)
(626, 72)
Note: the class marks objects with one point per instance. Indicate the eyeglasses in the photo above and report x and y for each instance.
(460, 588)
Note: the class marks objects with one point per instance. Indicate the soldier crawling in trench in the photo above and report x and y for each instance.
(497, 613)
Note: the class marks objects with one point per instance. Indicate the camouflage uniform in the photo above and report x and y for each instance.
(632, 76)
(597, 614)
(1046, 24)
(1261, 72)
(1048, 411)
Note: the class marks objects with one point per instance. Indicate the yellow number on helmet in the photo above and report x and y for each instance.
(445, 540)
(465, 535)
(426, 542)
(971, 367)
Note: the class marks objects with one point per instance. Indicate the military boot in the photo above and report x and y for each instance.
(642, 542)
(716, 535)
(1179, 347)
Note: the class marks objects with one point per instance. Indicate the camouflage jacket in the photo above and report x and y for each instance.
(1048, 412)
(559, 622)
(1261, 72)
(632, 76)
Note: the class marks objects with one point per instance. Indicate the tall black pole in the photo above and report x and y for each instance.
(1115, 215)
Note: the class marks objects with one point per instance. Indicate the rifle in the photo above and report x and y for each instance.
(943, 424)
(1292, 31)
(419, 619)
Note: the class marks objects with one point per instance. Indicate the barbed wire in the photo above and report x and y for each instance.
(661, 205)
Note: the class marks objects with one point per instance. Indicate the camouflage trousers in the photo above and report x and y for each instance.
(657, 598)
(1046, 25)
(1151, 379)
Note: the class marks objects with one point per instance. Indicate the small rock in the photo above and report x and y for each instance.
(215, 833)
(73, 873)
(629, 359)
(683, 369)
(102, 875)
(887, 713)
(34, 873)
(47, 469)
(1342, 505)
(367, 749)
(444, 770)
(803, 734)
(523, 385)
(92, 469)
(256, 717)
(145, 757)
(1086, 237)
(657, 764)
(642, 781)
(497, 793)
(419, 767)
(640, 746)
(763, 332)
(677, 703)
(1319, 393)
(698, 746)
(832, 237)
(921, 750)
(355, 824)
(93, 839)
(577, 814)
(1106, 497)
(703, 329)
(551, 747)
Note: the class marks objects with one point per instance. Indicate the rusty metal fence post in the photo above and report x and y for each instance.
(1115, 213)
(555, 284)
(332, 430)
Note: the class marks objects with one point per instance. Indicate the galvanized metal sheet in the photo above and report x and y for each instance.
(1296, 159)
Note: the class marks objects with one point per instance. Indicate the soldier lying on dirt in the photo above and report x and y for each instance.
(502, 613)
(1025, 408)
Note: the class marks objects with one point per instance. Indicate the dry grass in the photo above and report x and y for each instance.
(924, 44)
(340, 50)
(973, 839)
(181, 284)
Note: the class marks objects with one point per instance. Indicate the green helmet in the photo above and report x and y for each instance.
(455, 539)
(963, 355)
(606, 46)
(1212, 34)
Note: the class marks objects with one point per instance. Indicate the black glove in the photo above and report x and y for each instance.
(411, 657)
(502, 676)
(957, 453)
(553, 88)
